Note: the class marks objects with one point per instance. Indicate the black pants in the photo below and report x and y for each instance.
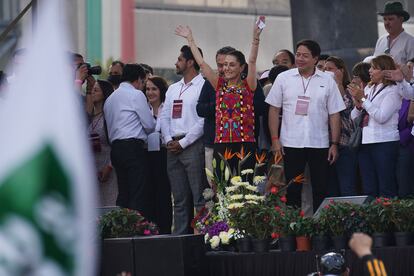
(160, 190)
(295, 160)
(130, 161)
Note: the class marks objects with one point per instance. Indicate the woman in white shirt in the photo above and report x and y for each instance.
(155, 89)
(380, 138)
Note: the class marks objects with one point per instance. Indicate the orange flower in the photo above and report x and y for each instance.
(278, 158)
(299, 179)
(241, 154)
(260, 158)
(228, 154)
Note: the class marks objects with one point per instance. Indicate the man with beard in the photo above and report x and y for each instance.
(182, 129)
(397, 43)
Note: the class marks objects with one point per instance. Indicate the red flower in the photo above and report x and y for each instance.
(331, 201)
(277, 208)
(275, 235)
(326, 207)
(283, 199)
(266, 219)
(274, 190)
(301, 213)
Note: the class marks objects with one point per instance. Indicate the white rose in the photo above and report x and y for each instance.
(247, 171)
(208, 193)
(224, 237)
(214, 242)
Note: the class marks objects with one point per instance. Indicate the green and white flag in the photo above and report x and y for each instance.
(47, 181)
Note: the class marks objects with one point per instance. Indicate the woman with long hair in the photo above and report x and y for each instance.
(108, 188)
(234, 97)
(379, 105)
(343, 173)
(155, 90)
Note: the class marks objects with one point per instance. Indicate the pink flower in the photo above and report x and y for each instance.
(147, 232)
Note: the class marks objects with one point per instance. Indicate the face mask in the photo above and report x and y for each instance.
(114, 79)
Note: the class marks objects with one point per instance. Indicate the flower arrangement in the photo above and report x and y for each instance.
(403, 215)
(378, 215)
(125, 223)
(335, 214)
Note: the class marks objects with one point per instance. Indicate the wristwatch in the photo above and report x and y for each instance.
(363, 99)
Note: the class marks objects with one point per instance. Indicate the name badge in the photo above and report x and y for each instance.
(177, 110)
(302, 105)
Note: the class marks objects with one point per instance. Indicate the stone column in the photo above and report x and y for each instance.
(347, 29)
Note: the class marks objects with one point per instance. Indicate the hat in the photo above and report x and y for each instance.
(332, 263)
(395, 8)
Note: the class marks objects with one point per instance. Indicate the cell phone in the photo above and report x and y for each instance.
(260, 23)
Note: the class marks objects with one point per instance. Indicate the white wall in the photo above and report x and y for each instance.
(157, 45)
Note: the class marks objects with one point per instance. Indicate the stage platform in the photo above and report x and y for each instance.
(186, 255)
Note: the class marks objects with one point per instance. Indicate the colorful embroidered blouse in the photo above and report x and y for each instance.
(234, 113)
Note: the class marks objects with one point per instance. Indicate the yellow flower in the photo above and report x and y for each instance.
(235, 179)
(236, 197)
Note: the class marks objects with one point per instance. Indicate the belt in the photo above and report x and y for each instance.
(128, 140)
(177, 138)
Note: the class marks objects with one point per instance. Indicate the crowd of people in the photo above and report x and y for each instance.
(152, 140)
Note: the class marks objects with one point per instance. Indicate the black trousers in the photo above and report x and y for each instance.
(160, 190)
(295, 160)
(130, 161)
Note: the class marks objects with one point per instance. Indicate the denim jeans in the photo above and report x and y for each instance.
(378, 162)
(342, 176)
(405, 172)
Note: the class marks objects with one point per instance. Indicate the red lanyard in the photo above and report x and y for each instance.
(186, 87)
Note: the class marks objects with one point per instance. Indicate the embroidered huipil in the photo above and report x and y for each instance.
(234, 113)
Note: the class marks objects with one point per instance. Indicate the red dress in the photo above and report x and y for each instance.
(234, 113)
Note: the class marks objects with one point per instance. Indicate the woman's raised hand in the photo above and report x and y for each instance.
(183, 31)
(258, 26)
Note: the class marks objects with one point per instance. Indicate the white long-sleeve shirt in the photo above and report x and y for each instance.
(127, 114)
(383, 114)
(190, 124)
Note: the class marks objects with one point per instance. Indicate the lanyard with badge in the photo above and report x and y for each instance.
(365, 118)
(302, 103)
(177, 111)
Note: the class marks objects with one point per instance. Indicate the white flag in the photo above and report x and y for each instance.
(47, 181)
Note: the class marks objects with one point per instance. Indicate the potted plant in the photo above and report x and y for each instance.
(403, 220)
(125, 222)
(259, 225)
(319, 234)
(284, 221)
(303, 230)
(378, 214)
(336, 214)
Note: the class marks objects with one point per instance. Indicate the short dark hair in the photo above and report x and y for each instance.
(312, 45)
(340, 64)
(187, 54)
(147, 68)
(162, 85)
(275, 71)
(76, 55)
(323, 57)
(118, 62)
(133, 72)
(225, 50)
(361, 70)
(289, 53)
